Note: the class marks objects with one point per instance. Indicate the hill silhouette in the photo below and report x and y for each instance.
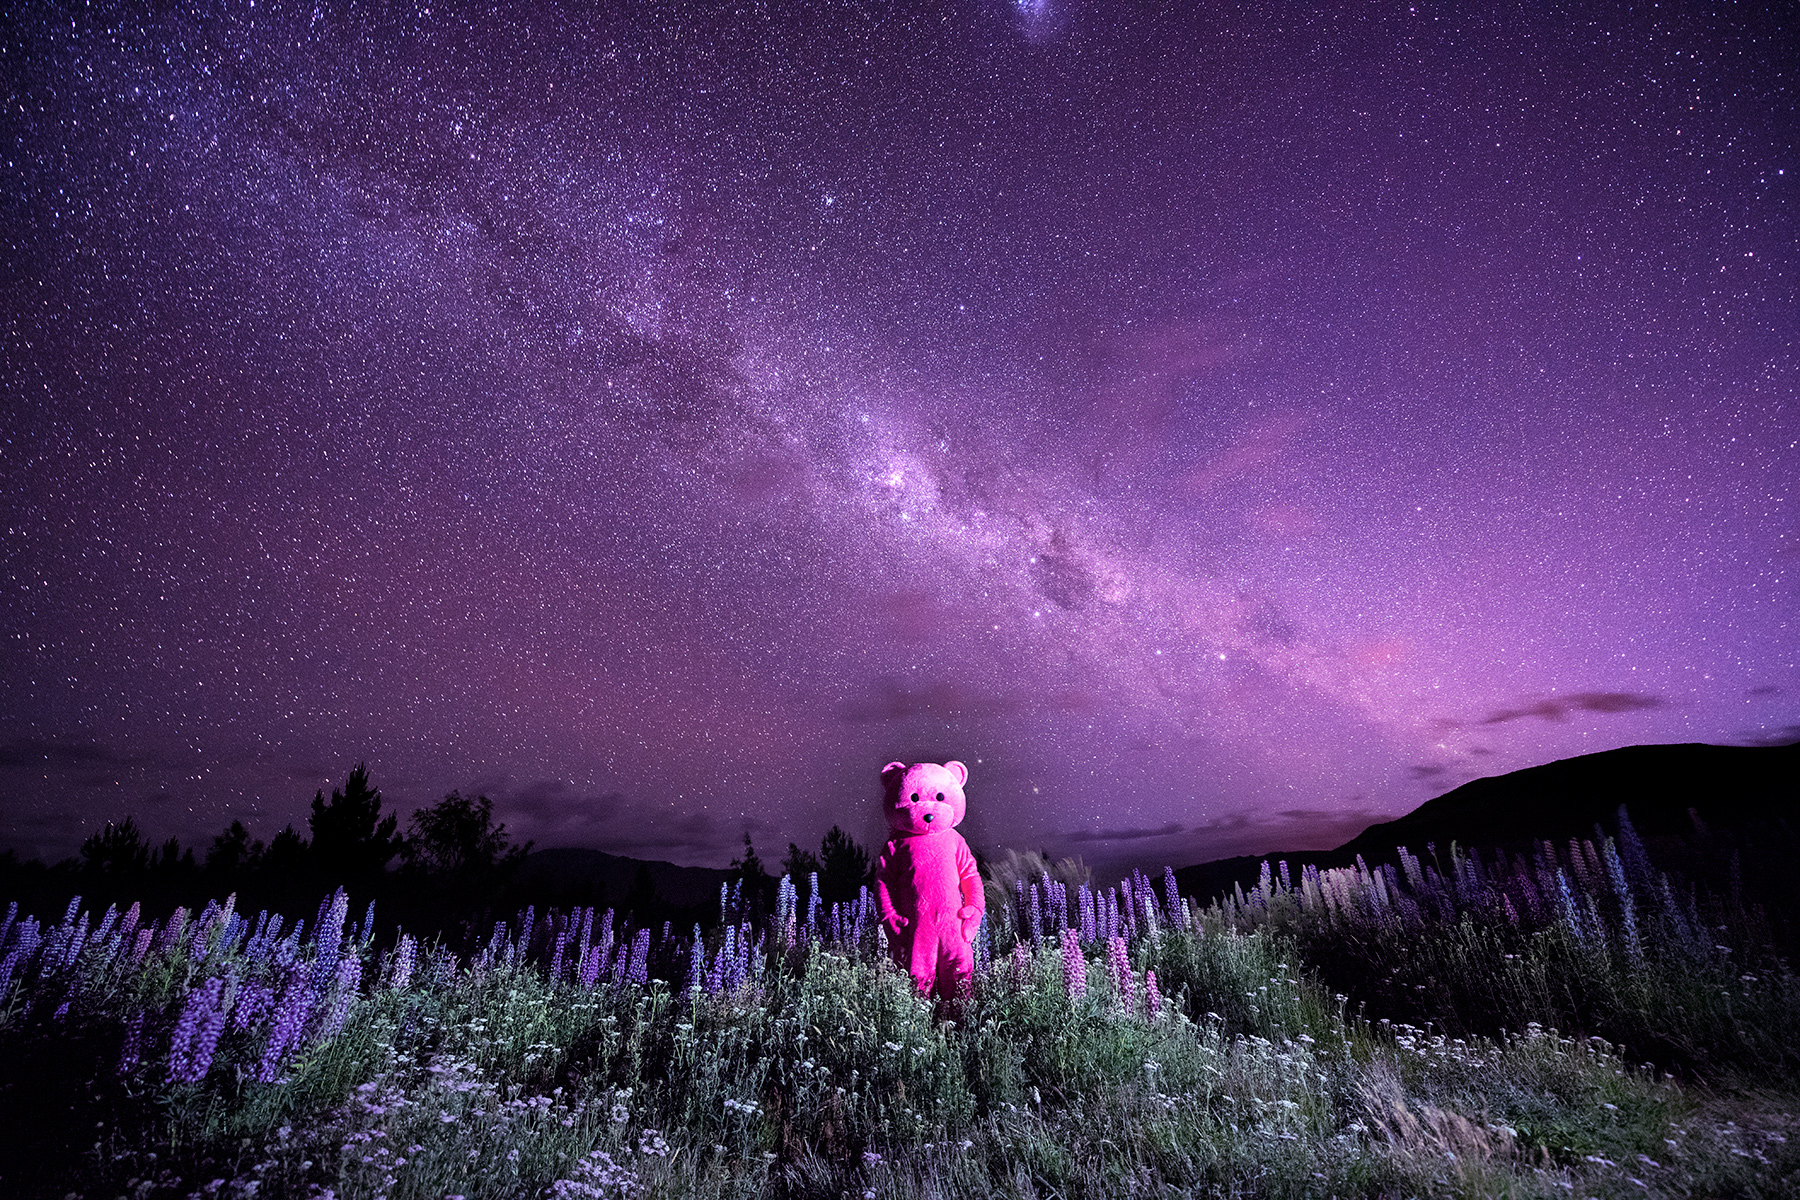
(1672, 793)
(573, 875)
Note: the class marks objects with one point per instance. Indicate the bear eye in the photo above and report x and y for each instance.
(940, 797)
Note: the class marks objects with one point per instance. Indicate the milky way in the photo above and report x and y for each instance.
(1221, 431)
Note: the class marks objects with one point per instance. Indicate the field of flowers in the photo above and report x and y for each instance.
(1387, 1031)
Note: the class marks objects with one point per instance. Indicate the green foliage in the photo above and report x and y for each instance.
(819, 1072)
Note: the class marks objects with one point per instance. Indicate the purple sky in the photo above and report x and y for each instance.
(1220, 431)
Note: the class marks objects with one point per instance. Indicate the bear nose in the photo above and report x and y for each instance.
(928, 818)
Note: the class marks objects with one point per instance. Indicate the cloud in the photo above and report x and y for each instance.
(1251, 452)
(1785, 736)
(889, 700)
(552, 813)
(1558, 708)
(1427, 772)
(1123, 835)
(914, 615)
(41, 752)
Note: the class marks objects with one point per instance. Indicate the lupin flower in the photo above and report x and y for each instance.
(20, 955)
(556, 958)
(787, 900)
(590, 967)
(287, 1026)
(170, 937)
(132, 1051)
(328, 939)
(202, 930)
(1119, 962)
(187, 1063)
(286, 952)
(696, 972)
(730, 971)
(253, 1002)
(639, 971)
(621, 960)
(1152, 997)
(585, 937)
(1172, 894)
(748, 952)
(346, 979)
(400, 972)
(106, 923)
(212, 1025)
(1074, 966)
(77, 939)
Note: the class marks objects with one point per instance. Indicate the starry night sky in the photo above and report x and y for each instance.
(1221, 430)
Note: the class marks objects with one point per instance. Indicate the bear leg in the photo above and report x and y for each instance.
(923, 963)
(955, 968)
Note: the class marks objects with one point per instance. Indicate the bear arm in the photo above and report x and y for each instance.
(884, 902)
(974, 894)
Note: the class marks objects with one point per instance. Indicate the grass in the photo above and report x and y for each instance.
(1287, 1057)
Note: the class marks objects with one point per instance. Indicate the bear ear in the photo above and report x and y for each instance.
(957, 769)
(893, 766)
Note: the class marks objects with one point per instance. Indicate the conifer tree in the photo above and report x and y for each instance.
(351, 840)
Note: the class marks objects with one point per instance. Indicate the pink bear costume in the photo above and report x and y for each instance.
(930, 892)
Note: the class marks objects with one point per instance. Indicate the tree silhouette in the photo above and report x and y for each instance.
(119, 849)
(843, 867)
(171, 859)
(799, 866)
(640, 901)
(749, 868)
(457, 836)
(233, 851)
(351, 841)
(286, 853)
(759, 889)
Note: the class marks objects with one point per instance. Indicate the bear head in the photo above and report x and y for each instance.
(924, 798)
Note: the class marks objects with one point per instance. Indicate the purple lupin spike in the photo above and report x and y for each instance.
(1074, 966)
(556, 958)
(287, 1026)
(1120, 962)
(590, 967)
(639, 970)
(346, 979)
(185, 1065)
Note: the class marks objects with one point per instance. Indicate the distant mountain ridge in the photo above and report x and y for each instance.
(596, 877)
(1663, 788)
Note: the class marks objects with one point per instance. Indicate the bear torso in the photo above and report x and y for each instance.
(925, 873)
